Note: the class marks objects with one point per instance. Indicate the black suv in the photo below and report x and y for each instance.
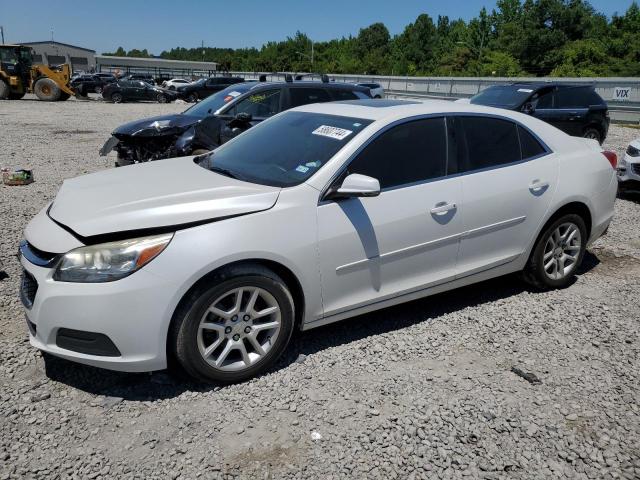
(573, 108)
(204, 87)
(219, 118)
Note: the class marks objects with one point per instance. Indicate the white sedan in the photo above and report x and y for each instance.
(629, 167)
(174, 83)
(316, 215)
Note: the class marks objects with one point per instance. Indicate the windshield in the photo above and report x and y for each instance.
(285, 150)
(503, 96)
(215, 102)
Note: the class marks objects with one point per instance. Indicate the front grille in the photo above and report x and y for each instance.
(28, 289)
(635, 168)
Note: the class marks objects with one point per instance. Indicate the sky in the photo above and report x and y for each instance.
(163, 24)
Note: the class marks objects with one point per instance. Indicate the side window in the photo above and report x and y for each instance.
(304, 96)
(544, 101)
(408, 153)
(339, 94)
(529, 146)
(572, 98)
(488, 142)
(261, 104)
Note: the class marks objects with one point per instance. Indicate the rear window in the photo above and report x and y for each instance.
(509, 96)
(580, 97)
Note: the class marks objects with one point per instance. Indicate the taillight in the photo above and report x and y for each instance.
(612, 157)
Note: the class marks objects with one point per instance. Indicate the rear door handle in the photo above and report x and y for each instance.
(538, 186)
(442, 209)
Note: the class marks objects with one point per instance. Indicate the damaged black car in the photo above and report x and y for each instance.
(218, 119)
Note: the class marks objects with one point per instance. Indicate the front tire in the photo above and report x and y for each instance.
(117, 97)
(162, 98)
(235, 327)
(192, 98)
(557, 254)
(47, 90)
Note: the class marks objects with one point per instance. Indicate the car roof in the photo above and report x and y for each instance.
(310, 83)
(539, 85)
(391, 110)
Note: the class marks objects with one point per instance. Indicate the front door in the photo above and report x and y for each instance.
(405, 239)
(508, 179)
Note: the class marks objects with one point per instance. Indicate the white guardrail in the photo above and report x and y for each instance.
(622, 94)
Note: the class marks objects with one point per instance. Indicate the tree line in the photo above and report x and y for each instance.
(517, 38)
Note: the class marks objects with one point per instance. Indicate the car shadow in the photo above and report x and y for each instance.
(162, 385)
(630, 195)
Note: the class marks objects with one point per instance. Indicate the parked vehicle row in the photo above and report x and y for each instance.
(320, 213)
(219, 118)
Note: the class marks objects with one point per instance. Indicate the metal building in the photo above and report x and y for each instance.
(55, 53)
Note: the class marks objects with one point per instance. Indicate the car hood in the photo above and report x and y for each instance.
(165, 193)
(156, 126)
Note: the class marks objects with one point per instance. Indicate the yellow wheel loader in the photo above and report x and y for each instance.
(18, 75)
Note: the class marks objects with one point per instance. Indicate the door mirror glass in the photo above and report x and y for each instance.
(356, 185)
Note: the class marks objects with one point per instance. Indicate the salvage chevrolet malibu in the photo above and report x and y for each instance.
(318, 214)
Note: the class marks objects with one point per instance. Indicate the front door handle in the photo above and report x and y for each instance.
(443, 209)
(538, 186)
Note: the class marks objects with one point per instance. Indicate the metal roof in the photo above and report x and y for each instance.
(58, 43)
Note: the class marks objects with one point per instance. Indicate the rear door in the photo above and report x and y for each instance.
(572, 103)
(405, 239)
(508, 179)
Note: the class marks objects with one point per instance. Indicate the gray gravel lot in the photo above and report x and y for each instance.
(422, 390)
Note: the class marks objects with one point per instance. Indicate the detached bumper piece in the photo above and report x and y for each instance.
(86, 342)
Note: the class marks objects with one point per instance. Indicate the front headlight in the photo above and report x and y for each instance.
(109, 261)
(633, 151)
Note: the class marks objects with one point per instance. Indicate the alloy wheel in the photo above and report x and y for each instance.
(239, 328)
(561, 251)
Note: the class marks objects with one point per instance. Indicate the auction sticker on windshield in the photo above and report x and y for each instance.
(332, 132)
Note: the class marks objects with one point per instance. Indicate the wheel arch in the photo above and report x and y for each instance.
(574, 206)
(290, 279)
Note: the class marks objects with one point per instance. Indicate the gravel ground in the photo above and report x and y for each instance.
(422, 390)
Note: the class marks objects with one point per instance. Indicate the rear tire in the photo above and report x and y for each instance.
(47, 90)
(192, 98)
(98, 90)
(557, 253)
(219, 335)
(593, 133)
(4, 91)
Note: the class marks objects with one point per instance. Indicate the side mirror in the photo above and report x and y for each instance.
(528, 108)
(243, 117)
(356, 185)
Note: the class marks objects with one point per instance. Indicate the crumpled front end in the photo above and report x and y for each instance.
(149, 139)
